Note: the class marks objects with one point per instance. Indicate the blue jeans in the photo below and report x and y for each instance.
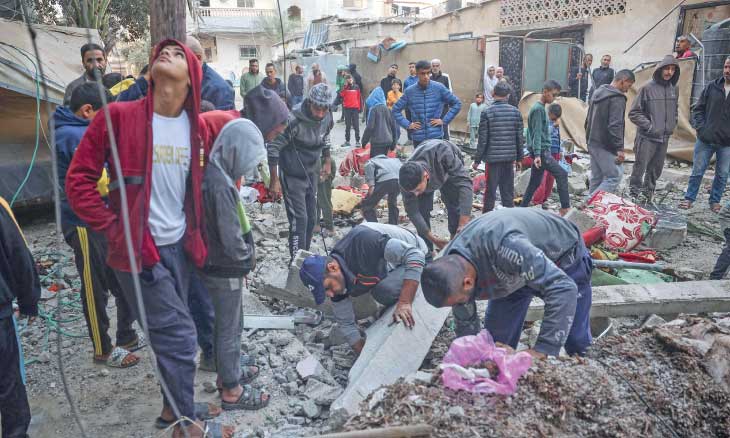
(505, 316)
(702, 156)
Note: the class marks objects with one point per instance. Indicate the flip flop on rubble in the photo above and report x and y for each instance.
(251, 399)
(249, 373)
(685, 204)
(307, 316)
(118, 358)
(715, 207)
(203, 411)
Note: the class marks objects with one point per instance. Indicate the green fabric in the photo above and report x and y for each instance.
(340, 82)
(249, 82)
(242, 218)
(639, 276)
(601, 278)
(538, 134)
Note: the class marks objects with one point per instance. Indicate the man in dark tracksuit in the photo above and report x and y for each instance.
(90, 247)
(381, 259)
(500, 145)
(436, 165)
(605, 133)
(294, 163)
(508, 257)
(381, 174)
(654, 112)
(18, 279)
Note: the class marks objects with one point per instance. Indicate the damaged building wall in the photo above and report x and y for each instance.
(461, 59)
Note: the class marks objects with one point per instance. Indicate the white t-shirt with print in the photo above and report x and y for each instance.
(170, 168)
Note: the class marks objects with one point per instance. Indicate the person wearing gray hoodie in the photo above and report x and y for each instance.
(654, 112)
(605, 133)
(236, 153)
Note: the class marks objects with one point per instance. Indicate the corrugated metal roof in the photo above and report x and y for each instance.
(316, 35)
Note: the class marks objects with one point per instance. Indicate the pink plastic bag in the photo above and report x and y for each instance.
(466, 353)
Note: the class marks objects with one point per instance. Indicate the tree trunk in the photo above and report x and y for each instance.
(167, 20)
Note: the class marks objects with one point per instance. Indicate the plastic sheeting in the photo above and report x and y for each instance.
(572, 123)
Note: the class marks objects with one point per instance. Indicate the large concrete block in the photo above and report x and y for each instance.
(391, 352)
(577, 184)
(670, 230)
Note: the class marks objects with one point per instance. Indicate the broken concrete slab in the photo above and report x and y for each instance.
(581, 219)
(270, 322)
(660, 298)
(382, 360)
(680, 177)
(577, 184)
(310, 367)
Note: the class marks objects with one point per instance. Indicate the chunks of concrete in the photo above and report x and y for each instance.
(310, 367)
(581, 219)
(659, 298)
(577, 184)
(523, 179)
(322, 393)
(391, 352)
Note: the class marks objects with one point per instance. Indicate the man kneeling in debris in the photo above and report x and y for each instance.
(382, 259)
(507, 257)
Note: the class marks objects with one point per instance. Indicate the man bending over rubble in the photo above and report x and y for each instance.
(507, 257)
(382, 259)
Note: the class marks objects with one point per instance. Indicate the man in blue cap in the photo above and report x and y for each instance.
(382, 259)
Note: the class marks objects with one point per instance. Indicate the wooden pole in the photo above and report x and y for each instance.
(418, 430)
(167, 20)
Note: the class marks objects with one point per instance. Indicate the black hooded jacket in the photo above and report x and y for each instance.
(711, 115)
(654, 110)
(605, 121)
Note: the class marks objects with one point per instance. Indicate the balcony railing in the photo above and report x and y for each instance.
(235, 12)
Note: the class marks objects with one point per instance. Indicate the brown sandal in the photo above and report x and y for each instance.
(715, 207)
(685, 204)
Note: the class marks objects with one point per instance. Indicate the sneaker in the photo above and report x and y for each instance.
(346, 144)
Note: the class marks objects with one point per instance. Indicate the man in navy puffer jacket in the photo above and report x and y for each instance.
(425, 103)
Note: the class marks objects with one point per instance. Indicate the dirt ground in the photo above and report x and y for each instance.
(554, 399)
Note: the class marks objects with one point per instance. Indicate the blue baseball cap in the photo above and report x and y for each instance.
(312, 275)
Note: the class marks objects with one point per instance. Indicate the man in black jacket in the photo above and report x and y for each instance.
(500, 145)
(602, 75)
(18, 279)
(381, 259)
(605, 133)
(295, 85)
(294, 163)
(436, 165)
(442, 78)
(387, 82)
(711, 119)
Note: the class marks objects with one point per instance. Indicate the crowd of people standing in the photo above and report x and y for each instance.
(191, 246)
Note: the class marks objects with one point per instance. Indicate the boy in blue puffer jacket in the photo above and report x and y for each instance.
(425, 103)
(90, 247)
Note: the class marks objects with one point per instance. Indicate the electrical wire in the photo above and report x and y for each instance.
(57, 211)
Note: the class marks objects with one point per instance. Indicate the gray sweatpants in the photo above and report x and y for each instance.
(605, 173)
(172, 335)
(226, 296)
(386, 292)
(300, 201)
(648, 165)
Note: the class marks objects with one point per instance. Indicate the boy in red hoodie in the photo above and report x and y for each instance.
(163, 147)
(351, 98)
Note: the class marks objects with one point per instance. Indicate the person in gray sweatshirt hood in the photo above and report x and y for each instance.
(509, 256)
(605, 132)
(237, 151)
(654, 112)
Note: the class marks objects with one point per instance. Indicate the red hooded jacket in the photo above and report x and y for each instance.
(132, 126)
(351, 97)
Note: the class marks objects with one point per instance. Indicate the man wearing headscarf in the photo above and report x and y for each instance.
(490, 80)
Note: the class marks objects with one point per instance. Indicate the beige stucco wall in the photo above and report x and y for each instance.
(460, 59)
(479, 20)
(614, 34)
